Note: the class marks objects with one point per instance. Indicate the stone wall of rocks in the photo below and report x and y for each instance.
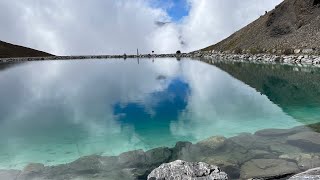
(299, 59)
(55, 58)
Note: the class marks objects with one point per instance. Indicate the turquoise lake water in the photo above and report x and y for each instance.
(53, 112)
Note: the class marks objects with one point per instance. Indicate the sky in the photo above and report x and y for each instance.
(176, 9)
(82, 27)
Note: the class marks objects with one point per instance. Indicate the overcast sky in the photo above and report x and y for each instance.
(75, 27)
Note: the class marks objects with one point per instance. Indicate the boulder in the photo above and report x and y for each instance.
(277, 59)
(33, 168)
(307, 51)
(268, 168)
(158, 156)
(297, 51)
(31, 171)
(90, 164)
(309, 141)
(304, 161)
(132, 158)
(246, 141)
(283, 148)
(181, 170)
(212, 143)
(276, 132)
(316, 61)
(184, 151)
(312, 174)
(226, 164)
(9, 174)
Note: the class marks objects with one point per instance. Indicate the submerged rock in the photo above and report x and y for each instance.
(304, 161)
(9, 174)
(31, 171)
(183, 151)
(33, 168)
(310, 141)
(181, 170)
(276, 132)
(212, 143)
(312, 174)
(132, 158)
(284, 148)
(268, 168)
(226, 164)
(158, 156)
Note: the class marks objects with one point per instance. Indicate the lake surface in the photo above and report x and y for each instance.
(54, 112)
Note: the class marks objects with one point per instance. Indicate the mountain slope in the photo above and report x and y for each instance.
(8, 50)
(294, 24)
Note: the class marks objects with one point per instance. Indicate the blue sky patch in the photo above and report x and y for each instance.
(176, 9)
(169, 104)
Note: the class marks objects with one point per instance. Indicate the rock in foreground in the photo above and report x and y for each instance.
(268, 169)
(181, 170)
(311, 174)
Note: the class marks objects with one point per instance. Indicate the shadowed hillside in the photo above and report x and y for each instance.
(8, 50)
(290, 87)
(294, 24)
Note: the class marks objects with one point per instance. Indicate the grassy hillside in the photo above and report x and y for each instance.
(10, 50)
(293, 24)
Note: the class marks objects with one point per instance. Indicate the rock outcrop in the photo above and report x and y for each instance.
(181, 170)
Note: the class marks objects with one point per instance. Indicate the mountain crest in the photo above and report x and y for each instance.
(293, 24)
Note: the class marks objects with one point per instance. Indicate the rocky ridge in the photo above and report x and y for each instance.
(292, 25)
(8, 50)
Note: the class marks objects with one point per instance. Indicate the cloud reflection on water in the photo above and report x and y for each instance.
(54, 112)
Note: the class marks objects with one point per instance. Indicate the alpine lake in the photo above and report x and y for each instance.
(236, 115)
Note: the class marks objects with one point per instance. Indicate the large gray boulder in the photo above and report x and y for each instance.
(9, 174)
(310, 141)
(181, 170)
(212, 143)
(268, 168)
(276, 132)
(312, 174)
(304, 161)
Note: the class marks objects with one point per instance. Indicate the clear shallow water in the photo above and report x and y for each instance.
(56, 112)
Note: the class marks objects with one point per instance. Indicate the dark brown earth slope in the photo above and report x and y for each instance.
(8, 50)
(293, 24)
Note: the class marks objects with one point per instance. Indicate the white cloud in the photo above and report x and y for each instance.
(119, 26)
(210, 21)
(222, 105)
(64, 96)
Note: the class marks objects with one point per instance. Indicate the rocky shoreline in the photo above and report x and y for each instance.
(55, 58)
(266, 154)
(293, 59)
